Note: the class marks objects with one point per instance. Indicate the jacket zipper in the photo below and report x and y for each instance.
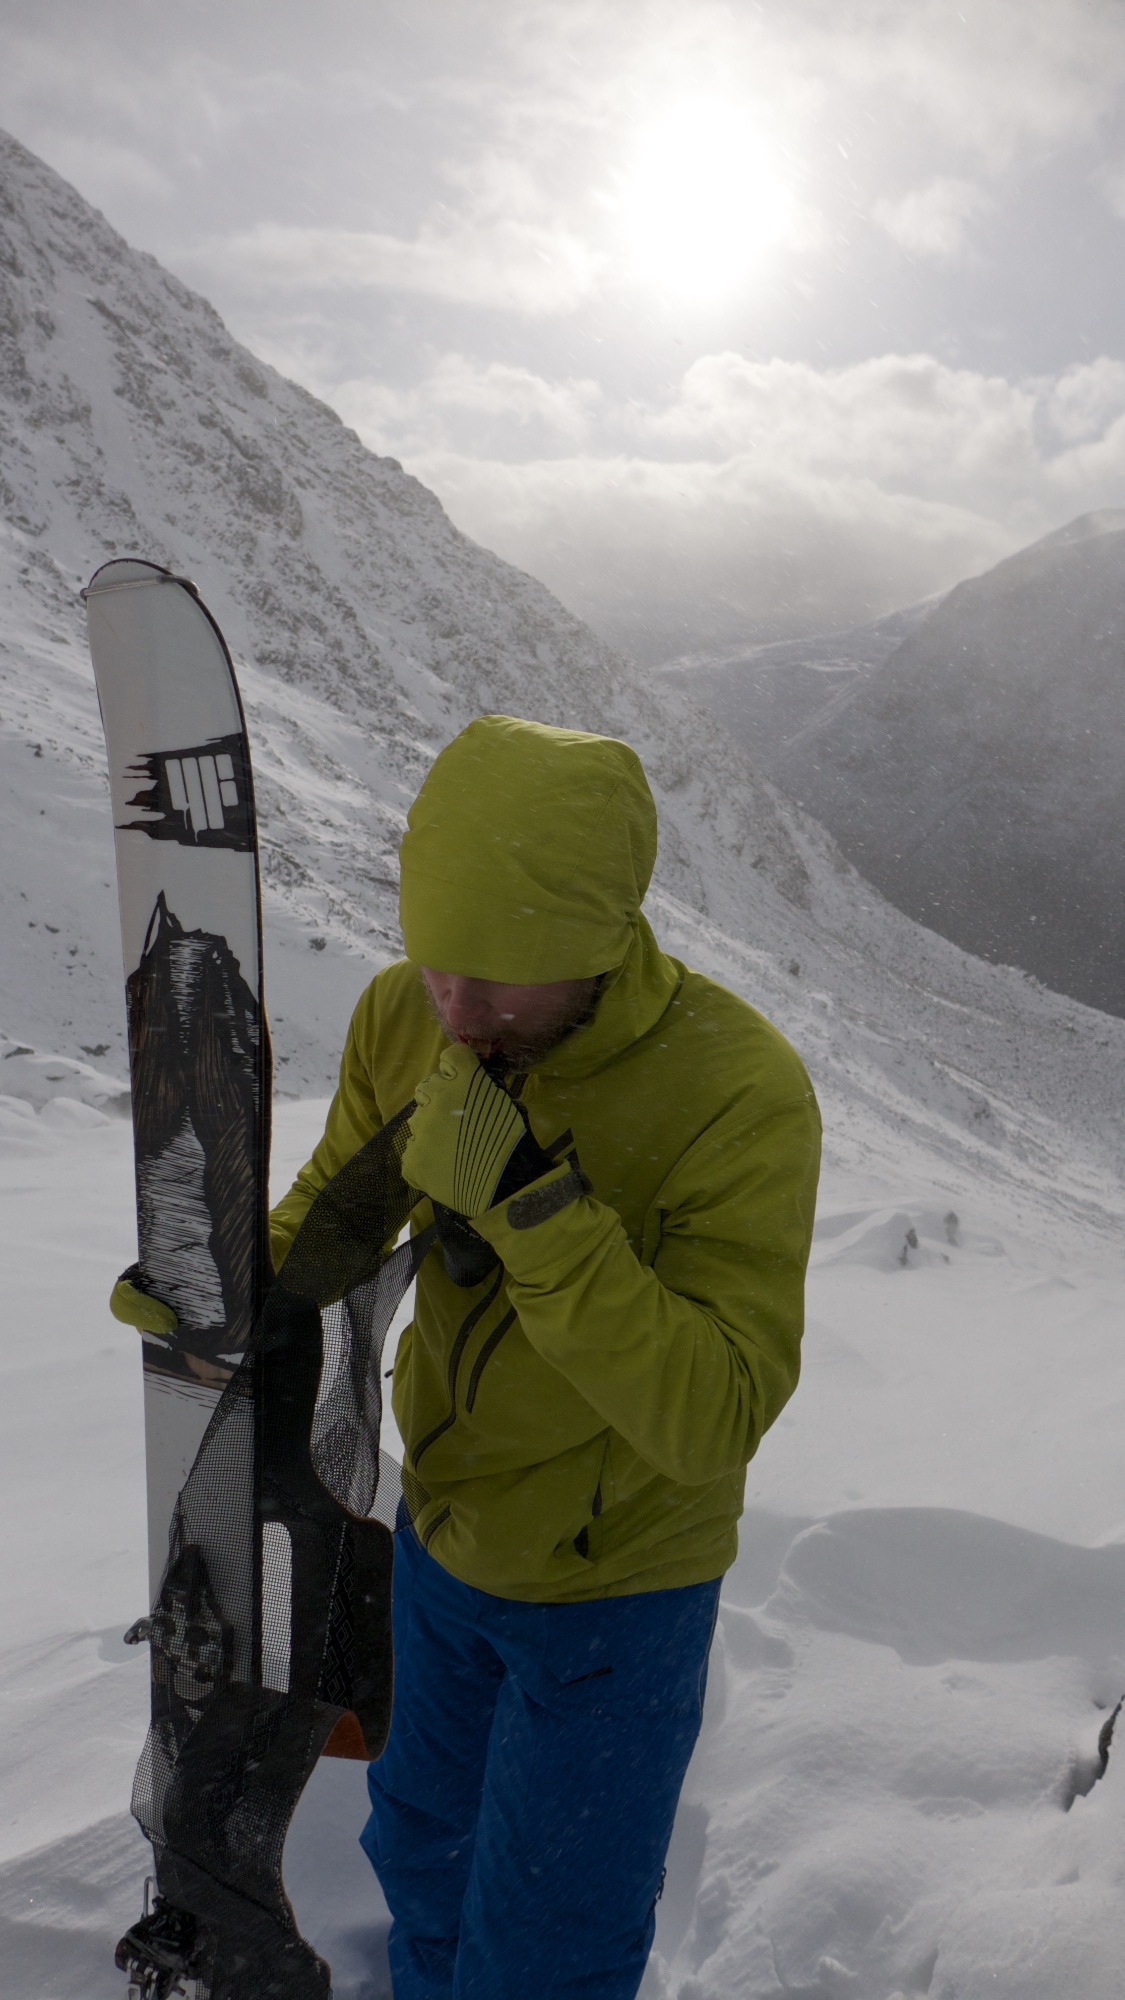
(485, 1355)
(459, 1346)
(438, 1521)
(582, 1538)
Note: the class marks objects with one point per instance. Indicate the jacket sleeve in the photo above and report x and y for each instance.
(692, 1358)
(353, 1118)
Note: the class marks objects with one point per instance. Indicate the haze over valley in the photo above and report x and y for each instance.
(967, 754)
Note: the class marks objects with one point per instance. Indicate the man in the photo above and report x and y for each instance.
(639, 1162)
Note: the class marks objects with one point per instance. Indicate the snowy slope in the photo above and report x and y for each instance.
(370, 629)
(922, 1633)
(764, 694)
(918, 1647)
(976, 776)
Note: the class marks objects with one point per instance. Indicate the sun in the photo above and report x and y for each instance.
(702, 201)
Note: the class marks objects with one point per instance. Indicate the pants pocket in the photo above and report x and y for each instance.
(630, 1657)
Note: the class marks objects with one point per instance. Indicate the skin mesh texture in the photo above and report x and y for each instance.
(273, 1616)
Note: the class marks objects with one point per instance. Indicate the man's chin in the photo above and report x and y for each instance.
(517, 1054)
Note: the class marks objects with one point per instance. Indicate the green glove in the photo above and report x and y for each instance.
(130, 1303)
(463, 1132)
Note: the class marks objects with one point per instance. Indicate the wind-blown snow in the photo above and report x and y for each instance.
(922, 1634)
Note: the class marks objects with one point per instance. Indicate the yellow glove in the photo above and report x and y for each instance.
(131, 1304)
(464, 1131)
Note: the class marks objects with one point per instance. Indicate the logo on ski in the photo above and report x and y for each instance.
(200, 797)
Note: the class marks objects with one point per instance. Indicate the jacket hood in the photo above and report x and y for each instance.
(527, 854)
(632, 1000)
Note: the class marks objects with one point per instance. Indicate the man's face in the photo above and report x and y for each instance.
(518, 1022)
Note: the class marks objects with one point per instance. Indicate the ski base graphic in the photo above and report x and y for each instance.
(269, 1563)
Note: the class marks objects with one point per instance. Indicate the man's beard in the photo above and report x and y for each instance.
(523, 1052)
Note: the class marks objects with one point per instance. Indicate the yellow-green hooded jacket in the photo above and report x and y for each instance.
(579, 1425)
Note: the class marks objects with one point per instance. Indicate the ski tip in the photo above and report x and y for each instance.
(132, 573)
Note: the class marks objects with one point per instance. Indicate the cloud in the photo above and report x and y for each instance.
(909, 422)
(104, 167)
(759, 499)
(931, 220)
(535, 183)
(667, 559)
(1085, 411)
(526, 267)
(1110, 181)
(498, 242)
(1084, 406)
(483, 405)
(989, 81)
(80, 91)
(992, 80)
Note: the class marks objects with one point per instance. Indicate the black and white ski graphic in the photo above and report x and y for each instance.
(187, 866)
(269, 1498)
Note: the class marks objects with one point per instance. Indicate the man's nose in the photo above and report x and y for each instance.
(465, 1003)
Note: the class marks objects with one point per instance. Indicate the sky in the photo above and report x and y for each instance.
(729, 321)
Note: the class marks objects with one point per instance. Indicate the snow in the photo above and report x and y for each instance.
(973, 771)
(765, 692)
(73, 1696)
(895, 1790)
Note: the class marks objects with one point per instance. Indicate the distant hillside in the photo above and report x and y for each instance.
(977, 777)
(966, 753)
(765, 693)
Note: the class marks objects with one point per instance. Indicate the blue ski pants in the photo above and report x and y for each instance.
(522, 1809)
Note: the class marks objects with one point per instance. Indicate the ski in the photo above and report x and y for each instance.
(269, 1500)
(187, 870)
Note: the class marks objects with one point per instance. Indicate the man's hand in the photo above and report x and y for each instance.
(463, 1132)
(131, 1304)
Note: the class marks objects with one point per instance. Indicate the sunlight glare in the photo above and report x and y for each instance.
(702, 201)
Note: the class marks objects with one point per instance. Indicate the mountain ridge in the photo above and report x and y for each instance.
(975, 776)
(965, 752)
(367, 630)
(766, 693)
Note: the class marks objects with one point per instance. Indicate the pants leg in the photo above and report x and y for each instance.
(586, 1759)
(521, 1812)
(425, 1789)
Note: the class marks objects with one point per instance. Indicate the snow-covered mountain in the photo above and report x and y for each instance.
(901, 1787)
(974, 771)
(368, 629)
(763, 694)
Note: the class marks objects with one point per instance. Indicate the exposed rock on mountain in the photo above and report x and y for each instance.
(369, 628)
(765, 694)
(975, 773)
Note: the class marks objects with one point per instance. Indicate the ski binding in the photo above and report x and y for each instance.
(159, 1953)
